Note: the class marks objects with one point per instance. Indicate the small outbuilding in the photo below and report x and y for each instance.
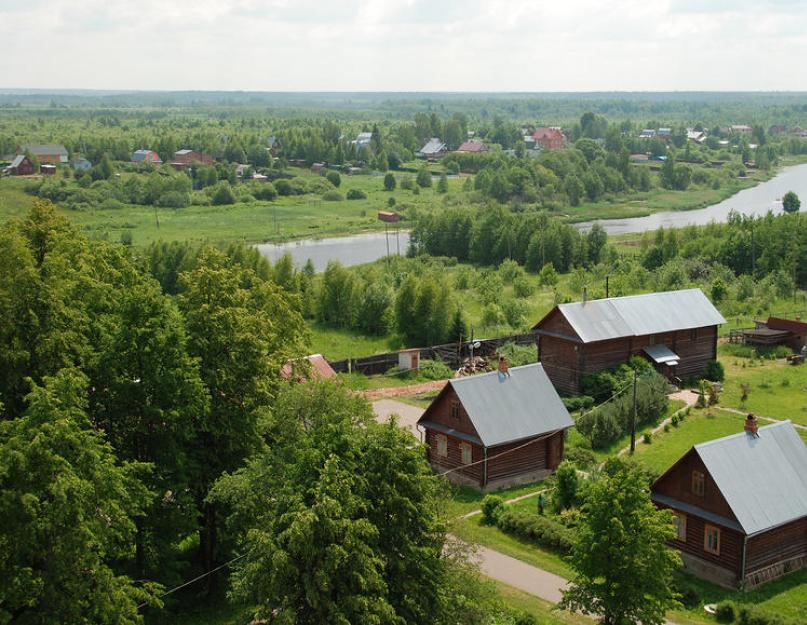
(433, 150)
(409, 359)
(146, 156)
(474, 147)
(778, 331)
(81, 164)
(21, 166)
(497, 429)
(740, 505)
(316, 368)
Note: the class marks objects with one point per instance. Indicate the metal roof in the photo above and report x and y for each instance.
(433, 146)
(506, 409)
(683, 506)
(639, 315)
(17, 160)
(45, 149)
(763, 478)
(662, 354)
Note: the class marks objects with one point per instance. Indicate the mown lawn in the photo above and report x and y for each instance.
(777, 389)
(542, 610)
(698, 427)
(465, 499)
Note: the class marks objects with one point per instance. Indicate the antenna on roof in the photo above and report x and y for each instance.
(585, 295)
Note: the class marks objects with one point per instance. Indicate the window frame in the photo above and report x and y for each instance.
(466, 448)
(454, 409)
(706, 546)
(441, 444)
(699, 479)
(680, 526)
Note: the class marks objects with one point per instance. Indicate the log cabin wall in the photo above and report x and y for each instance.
(441, 412)
(453, 459)
(677, 483)
(560, 353)
(526, 459)
(777, 545)
(730, 557)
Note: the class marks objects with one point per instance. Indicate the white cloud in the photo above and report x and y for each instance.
(405, 45)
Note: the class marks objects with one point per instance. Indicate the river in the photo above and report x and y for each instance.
(365, 248)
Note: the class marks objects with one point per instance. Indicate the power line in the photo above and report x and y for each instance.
(194, 580)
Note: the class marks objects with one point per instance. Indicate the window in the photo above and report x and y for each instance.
(455, 409)
(442, 445)
(467, 455)
(652, 339)
(680, 522)
(698, 483)
(711, 539)
(693, 334)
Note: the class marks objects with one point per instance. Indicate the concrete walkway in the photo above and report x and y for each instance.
(407, 415)
(521, 575)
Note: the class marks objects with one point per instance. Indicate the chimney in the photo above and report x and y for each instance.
(750, 426)
(585, 295)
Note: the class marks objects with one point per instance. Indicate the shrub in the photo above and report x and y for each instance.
(540, 530)
(223, 194)
(492, 507)
(434, 370)
(264, 191)
(726, 612)
(283, 187)
(334, 178)
(666, 427)
(424, 177)
(174, 199)
(690, 597)
(715, 371)
(578, 402)
(566, 489)
(356, 194)
(753, 615)
(333, 196)
(522, 287)
(647, 438)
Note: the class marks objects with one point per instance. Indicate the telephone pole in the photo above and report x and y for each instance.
(633, 420)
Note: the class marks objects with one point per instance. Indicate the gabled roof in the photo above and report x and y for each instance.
(46, 149)
(639, 315)
(472, 146)
(509, 409)
(791, 325)
(182, 152)
(320, 368)
(763, 478)
(433, 146)
(17, 161)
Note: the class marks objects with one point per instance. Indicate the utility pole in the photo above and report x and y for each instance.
(606, 287)
(633, 420)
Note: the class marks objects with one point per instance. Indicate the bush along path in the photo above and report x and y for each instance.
(690, 398)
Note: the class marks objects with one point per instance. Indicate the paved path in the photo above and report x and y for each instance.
(407, 415)
(396, 391)
(521, 575)
(744, 413)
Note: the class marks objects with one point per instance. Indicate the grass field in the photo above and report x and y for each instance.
(542, 610)
(465, 499)
(699, 426)
(777, 389)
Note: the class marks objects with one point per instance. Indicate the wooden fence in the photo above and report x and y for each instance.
(452, 354)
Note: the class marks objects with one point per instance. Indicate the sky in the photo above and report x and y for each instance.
(405, 45)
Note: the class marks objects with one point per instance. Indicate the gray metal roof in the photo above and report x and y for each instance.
(683, 506)
(662, 354)
(433, 146)
(17, 160)
(45, 149)
(764, 478)
(506, 409)
(639, 315)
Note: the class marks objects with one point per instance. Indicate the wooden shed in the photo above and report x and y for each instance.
(675, 330)
(21, 166)
(740, 505)
(494, 430)
(778, 331)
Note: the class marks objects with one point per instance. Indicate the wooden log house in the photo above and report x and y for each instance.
(497, 429)
(740, 505)
(675, 330)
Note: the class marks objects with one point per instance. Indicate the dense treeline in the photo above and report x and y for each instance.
(147, 432)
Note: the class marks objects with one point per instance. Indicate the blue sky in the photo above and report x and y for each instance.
(405, 45)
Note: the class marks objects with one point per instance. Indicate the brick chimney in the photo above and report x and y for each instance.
(750, 425)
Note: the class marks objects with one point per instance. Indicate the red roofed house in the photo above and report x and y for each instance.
(187, 157)
(319, 368)
(473, 146)
(549, 138)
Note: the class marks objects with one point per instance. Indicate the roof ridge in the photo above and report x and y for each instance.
(739, 434)
(633, 296)
(489, 373)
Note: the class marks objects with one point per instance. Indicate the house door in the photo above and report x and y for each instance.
(415, 360)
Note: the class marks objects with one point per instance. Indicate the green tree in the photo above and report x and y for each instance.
(389, 182)
(668, 173)
(242, 330)
(223, 194)
(337, 296)
(623, 566)
(284, 275)
(313, 517)
(442, 184)
(334, 178)
(565, 495)
(424, 177)
(66, 511)
(375, 312)
(791, 202)
(105, 168)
